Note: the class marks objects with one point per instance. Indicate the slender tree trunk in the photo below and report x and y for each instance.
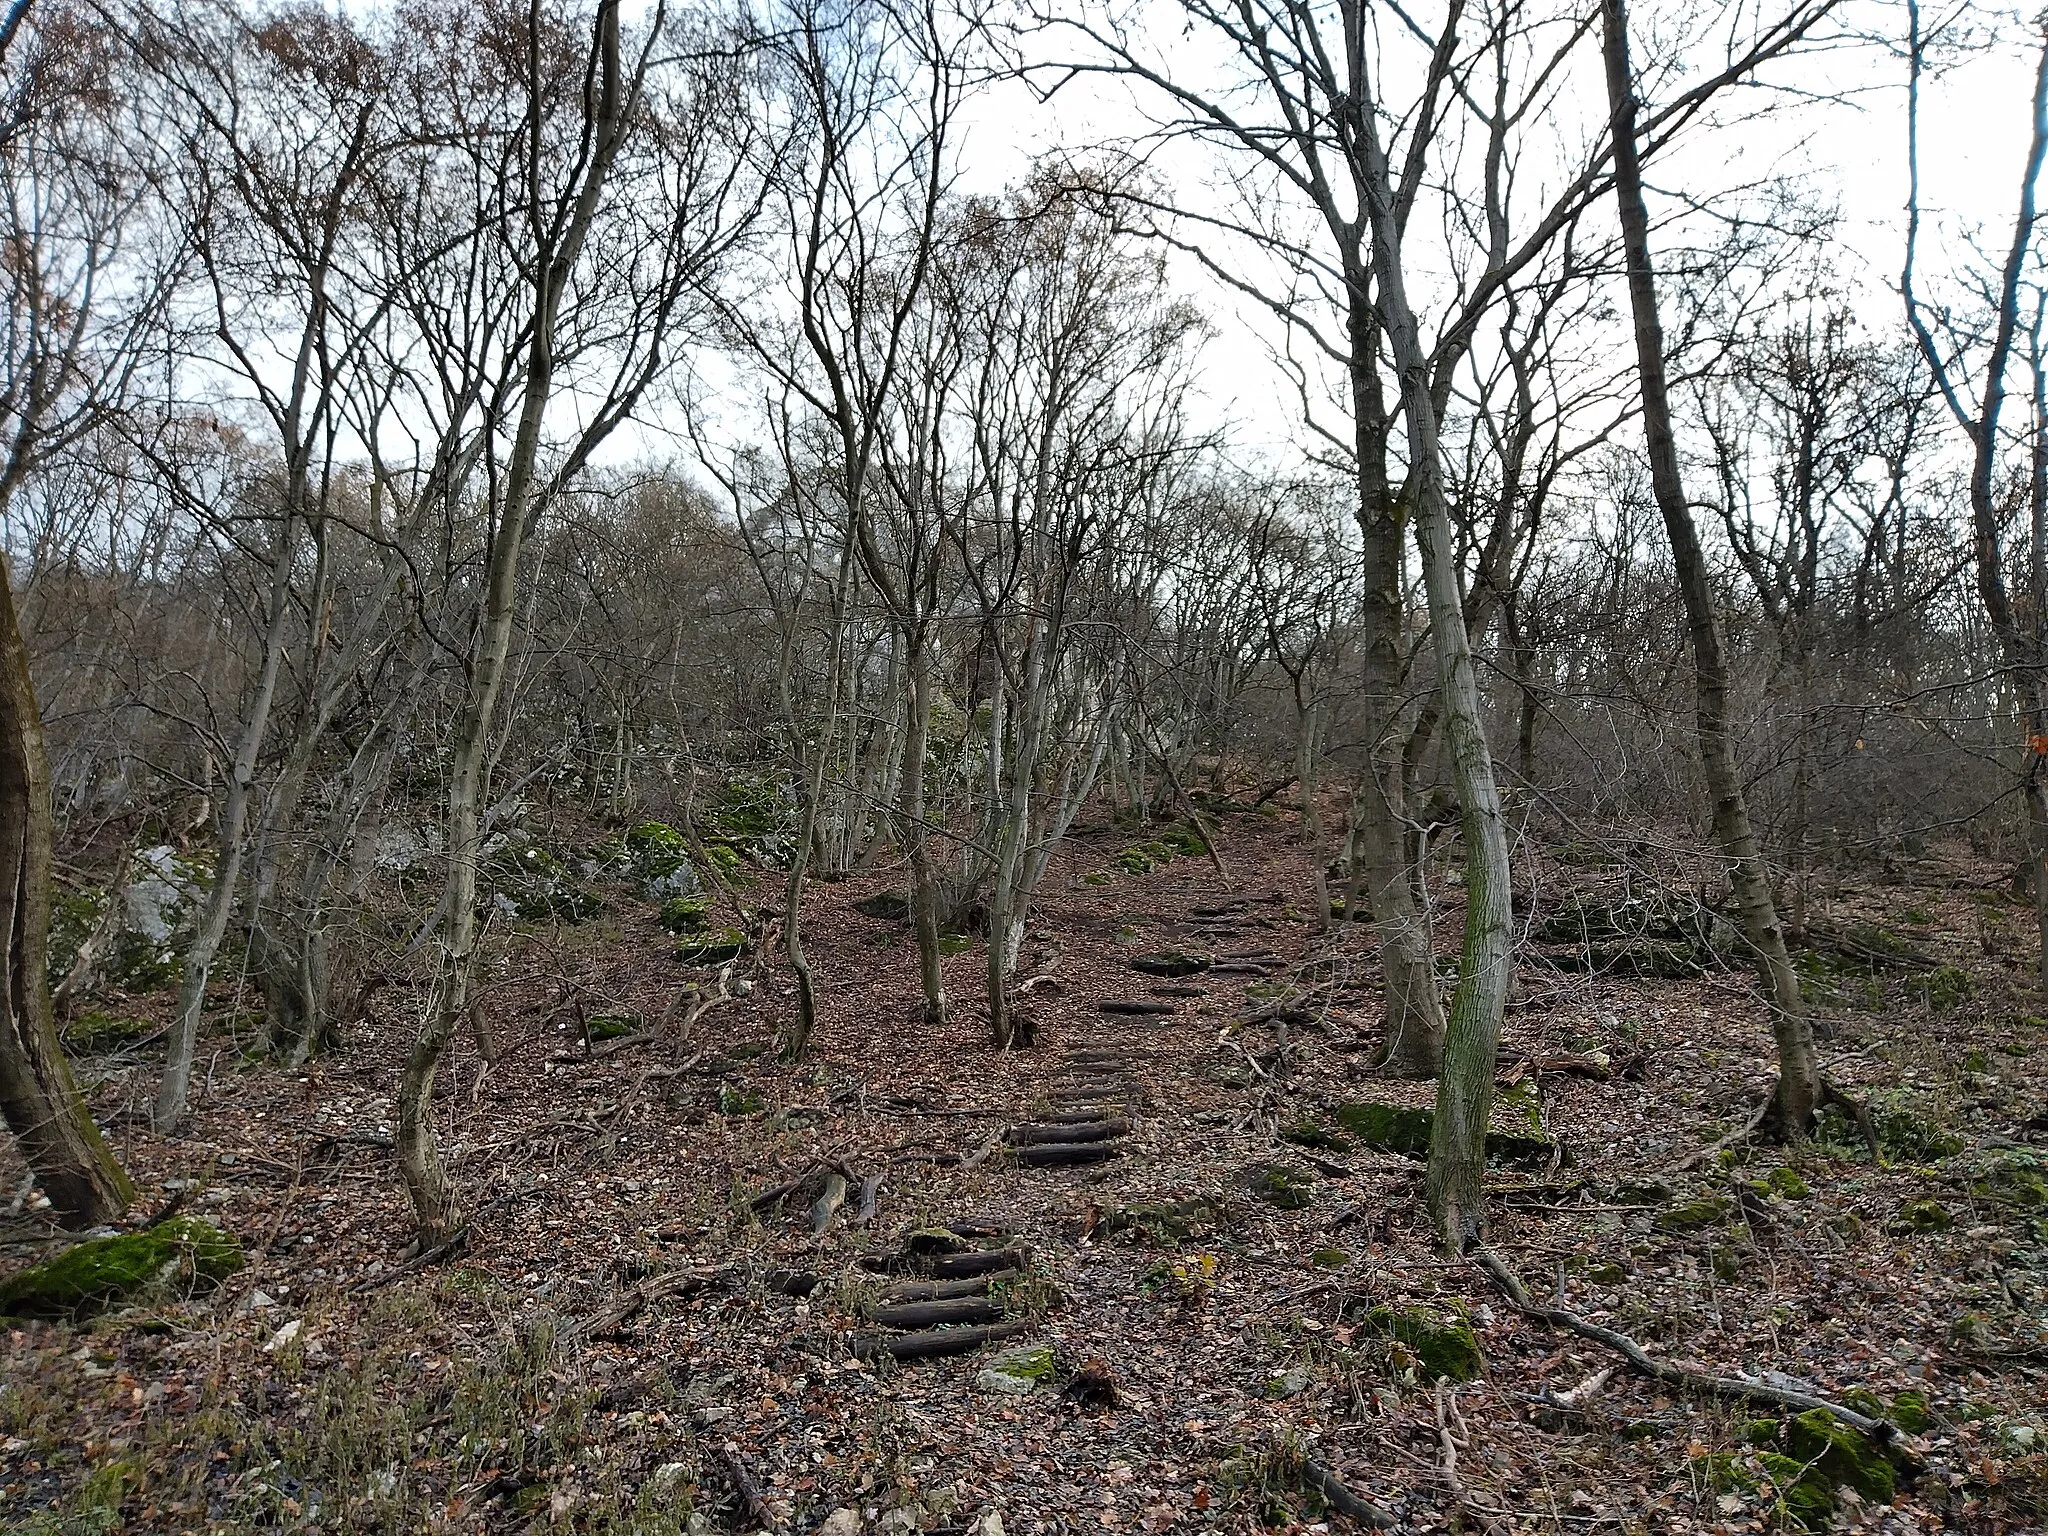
(174, 1088)
(924, 905)
(38, 1096)
(1464, 1100)
(1798, 1093)
(1412, 1026)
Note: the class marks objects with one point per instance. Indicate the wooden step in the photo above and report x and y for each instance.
(1049, 1134)
(932, 1314)
(931, 1343)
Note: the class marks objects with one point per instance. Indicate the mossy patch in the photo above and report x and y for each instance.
(955, 943)
(1925, 1216)
(738, 1101)
(1017, 1372)
(1163, 1223)
(614, 1026)
(528, 882)
(93, 1030)
(180, 1255)
(685, 914)
(1440, 1344)
(1282, 1187)
(1399, 1129)
(2014, 1176)
(1944, 989)
(713, 947)
(1697, 1215)
(1306, 1133)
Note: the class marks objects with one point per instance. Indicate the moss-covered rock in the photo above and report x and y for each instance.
(1945, 988)
(526, 881)
(734, 1100)
(1845, 1457)
(614, 1026)
(1170, 962)
(885, 907)
(1388, 1127)
(93, 1030)
(1442, 1344)
(658, 857)
(181, 1255)
(1163, 1223)
(714, 946)
(685, 914)
(1784, 1183)
(1306, 1133)
(1926, 1215)
(2014, 1176)
(1282, 1187)
(1697, 1215)
(1017, 1372)
(1406, 1131)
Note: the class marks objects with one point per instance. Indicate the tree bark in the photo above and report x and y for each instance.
(1798, 1092)
(43, 1107)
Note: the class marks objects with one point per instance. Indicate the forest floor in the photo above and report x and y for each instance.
(617, 1347)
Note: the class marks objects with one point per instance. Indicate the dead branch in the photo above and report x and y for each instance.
(744, 1485)
(1741, 1389)
(1340, 1497)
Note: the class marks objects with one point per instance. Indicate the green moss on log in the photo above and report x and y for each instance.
(176, 1256)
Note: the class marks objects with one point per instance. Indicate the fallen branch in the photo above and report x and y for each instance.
(744, 1485)
(1341, 1498)
(1741, 1389)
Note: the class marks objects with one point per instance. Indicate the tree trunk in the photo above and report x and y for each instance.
(924, 904)
(174, 1088)
(1412, 1025)
(1457, 1154)
(43, 1107)
(1798, 1092)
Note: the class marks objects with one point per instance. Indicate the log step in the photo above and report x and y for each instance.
(1048, 1134)
(1135, 1005)
(992, 1261)
(1074, 1117)
(932, 1314)
(1179, 989)
(930, 1344)
(933, 1290)
(1065, 1154)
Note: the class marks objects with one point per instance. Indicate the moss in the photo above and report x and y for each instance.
(684, 914)
(1282, 1187)
(1945, 988)
(1185, 840)
(1925, 1216)
(713, 947)
(885, 907)
(1910, 1412)
(73, 917)
(2016, 1177)
(137, 963)
(1843, 1456)
(614, 1026)
(954, 943)
(1388, 1127)
(1785, 1184)
(1134, 861)
(749, 807)
(1395, 1128)
(94, 1030)
(1329, 1258)
(1096, 877)
(535, 884)
(1306, 1133)
(182, 1254)
(1443, 1345)
(1164, 1223)
(656, 848)
(738, 1101)
(1697, 1215)
(1029, 1366)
